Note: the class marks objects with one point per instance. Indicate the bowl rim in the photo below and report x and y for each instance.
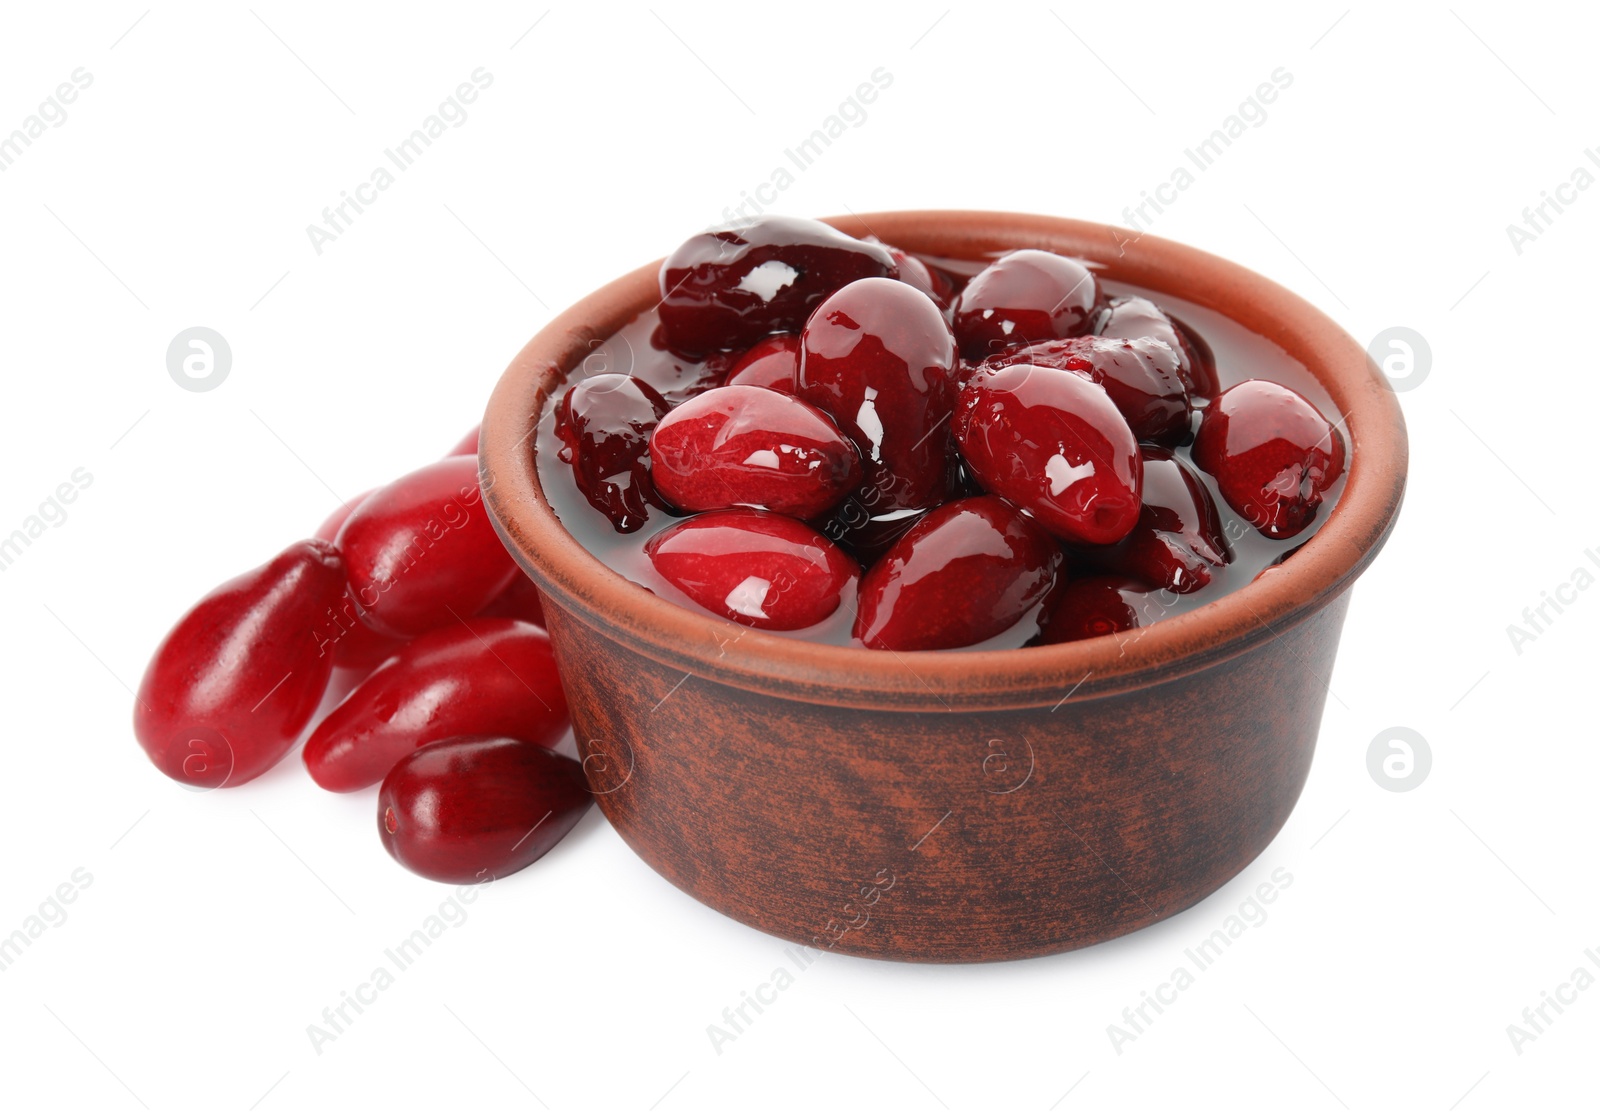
(769, 663)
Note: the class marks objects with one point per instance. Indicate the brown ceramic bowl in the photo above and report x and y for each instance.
(955, 806)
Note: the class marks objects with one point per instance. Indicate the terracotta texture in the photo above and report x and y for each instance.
(949, 806)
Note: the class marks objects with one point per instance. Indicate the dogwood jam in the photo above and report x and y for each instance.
(1239, 356)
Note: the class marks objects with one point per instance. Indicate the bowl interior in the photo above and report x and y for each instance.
(938, 681)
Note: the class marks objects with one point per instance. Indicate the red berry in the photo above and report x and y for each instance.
(742, 445)
(1093, 607)
(1140, 375)
(490, 676)
(604, 423)
(1272, 453)
(471, 809)
(421, 551)
(519, 600)
(726, 288)
(772, 363)
(1052, 443)
(878, 357)
(1179, 540)
(1026, 296)
(233, 684)
(967, 571)
(1135, 317)
(754, 567)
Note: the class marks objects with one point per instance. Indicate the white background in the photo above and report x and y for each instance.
(219, 926)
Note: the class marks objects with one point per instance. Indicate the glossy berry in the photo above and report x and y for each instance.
(1026, 296)
(1272, 453)
(421, 552)
(727, 288)
(758, 568)
(490, 676)
(1052, 443)
(604, 423)
(1179, 541)
(742, 445)
(1140, 376)
(879, 358)
(233, 684)
(967, 571)
(1095, 607)
(470, 810)
(1134, 317)
(772, 363)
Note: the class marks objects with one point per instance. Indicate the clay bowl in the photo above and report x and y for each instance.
(954, 806)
